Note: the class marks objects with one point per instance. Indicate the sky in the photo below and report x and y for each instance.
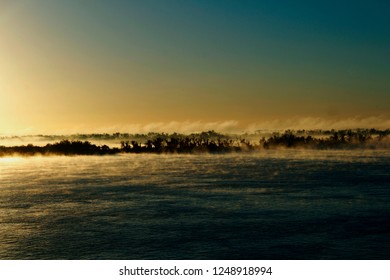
(95, 66)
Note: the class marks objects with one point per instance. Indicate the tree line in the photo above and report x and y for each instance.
(211, 142)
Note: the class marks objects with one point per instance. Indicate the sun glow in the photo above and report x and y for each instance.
(10, 159)
(65, 70)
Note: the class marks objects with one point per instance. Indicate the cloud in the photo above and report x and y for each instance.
(379, 122)
(234, 126)
(228, 126)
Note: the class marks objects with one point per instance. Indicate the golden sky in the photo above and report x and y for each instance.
(84, 66)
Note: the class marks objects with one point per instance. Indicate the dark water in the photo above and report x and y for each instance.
(272, 205)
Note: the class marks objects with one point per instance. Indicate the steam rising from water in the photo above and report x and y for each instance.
(234, 126)
(379, 122)
(290, 205)
(228, 126)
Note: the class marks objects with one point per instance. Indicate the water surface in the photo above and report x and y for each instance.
(268, 205)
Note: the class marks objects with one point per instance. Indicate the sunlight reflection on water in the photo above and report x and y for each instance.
(271, 205)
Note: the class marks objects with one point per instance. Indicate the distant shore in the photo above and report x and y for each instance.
(206, 142)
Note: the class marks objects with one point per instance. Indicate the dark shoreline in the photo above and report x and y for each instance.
(211, 142)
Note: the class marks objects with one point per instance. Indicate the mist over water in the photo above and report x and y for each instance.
(269, 205)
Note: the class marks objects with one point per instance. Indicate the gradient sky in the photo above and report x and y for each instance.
(93, 65)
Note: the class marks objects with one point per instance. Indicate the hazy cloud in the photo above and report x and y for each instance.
(175, 126)
(379, 122)
(229, 126)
